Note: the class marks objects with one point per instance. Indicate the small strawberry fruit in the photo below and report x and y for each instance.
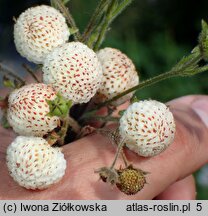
(119, 74)
(33, 163)
(38, 31)
(74, 70)
(131, 180)
(148, 127)
(28, 110)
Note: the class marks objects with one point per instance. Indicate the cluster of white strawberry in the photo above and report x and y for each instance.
(70, 69)
(78, 74)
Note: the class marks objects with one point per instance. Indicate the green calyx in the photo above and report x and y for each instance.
(134, 99)
(203, 41)
(59, 107)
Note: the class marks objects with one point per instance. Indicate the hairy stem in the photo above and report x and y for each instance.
(68, 121)
(11, 73)
(31, 72)
(142, 85)
(99, 11)
(58, 4)
(126, 162)
(121, 7)
(119, 150)
(102, 118)
(62, 133)
(176, 71)
(113, 10)
(107, 21)
(73, 124)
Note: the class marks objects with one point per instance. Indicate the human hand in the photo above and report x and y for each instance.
(169, 173)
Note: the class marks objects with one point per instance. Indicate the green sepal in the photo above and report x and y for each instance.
(134, 99)
(59, 107)
(73, 30)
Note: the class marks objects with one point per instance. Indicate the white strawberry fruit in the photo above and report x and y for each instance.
(33, 163)
(74, 70)
(28, 109)
(147, 127)
(119, 74)
(38, 31)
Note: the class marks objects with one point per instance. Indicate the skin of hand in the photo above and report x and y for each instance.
(169, 172)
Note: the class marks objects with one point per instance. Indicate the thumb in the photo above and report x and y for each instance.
(191, 114)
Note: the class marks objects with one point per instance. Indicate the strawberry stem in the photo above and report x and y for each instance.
(94, 20)
(187, 66)
(31, 72)
(119, 150)
(124, 158)
(73, 124)
(106, 22)
(10, 73)
(68, 121)
(100, 21)
(58, 4)
(102, 118)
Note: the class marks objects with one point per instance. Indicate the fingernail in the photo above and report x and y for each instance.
(200, 106)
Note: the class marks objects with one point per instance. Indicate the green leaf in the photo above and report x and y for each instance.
(188, 63)
(73, 30)
(203, 41)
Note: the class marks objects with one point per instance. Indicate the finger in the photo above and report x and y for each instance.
(186, 100)
(184, 189)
